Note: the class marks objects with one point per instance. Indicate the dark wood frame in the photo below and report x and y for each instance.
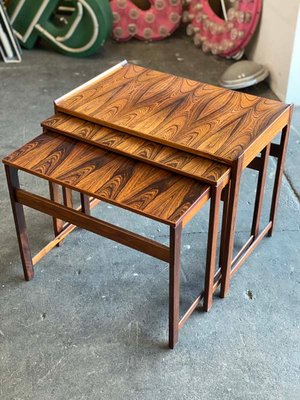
(270, 117)
(213, 277)
(230, 265)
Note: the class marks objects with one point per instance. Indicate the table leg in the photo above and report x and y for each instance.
(226, 258)
(174, 284)
(85, 204)
(20, 224)
(225, 198)
(212, 246)
(261, 183)
(67, 197)
(54, 195)
(278, 176)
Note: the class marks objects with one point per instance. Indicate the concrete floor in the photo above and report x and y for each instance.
(93, 322)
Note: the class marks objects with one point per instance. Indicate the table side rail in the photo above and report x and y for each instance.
(93, 224)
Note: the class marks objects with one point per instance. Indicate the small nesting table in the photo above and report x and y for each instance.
(164, 196)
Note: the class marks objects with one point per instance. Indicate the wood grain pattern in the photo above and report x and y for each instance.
(192, 116)
(136, 186)
(154, 153)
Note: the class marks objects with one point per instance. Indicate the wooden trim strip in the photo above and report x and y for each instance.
(188, 313)
(45, 250)
(67, 228)
(94, 225)
(190, 310)
(91, 81)
(93, 203)
(245, 247)
(217, 280)
(248, 252)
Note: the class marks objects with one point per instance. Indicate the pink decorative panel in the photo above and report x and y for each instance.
(156, 23)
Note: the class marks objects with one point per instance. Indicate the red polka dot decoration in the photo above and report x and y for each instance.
(214, 34)
(155, 23)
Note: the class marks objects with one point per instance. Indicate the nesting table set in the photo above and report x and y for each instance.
(160, 146)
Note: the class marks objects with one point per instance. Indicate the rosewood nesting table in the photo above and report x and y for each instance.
(230, 127)
(155, 193)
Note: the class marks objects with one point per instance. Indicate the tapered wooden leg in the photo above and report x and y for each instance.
(85, 204)
(226, 258)
(54, 195)
(261, 183)
(278, 176)
(212, 246)
(20, 224)
(225, 198)
(67, 197)
(174, 284)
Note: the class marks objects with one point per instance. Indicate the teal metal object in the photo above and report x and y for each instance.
(73, 27)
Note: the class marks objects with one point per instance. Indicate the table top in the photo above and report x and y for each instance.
(195, 117)
(121, 181)
(157, 154)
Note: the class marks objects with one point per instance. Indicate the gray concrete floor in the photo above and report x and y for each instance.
(93, 322)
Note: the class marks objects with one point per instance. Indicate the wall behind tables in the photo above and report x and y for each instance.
(276, 45)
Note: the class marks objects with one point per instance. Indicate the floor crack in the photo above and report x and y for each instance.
(294, 190)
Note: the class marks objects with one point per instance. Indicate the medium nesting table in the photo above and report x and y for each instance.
(233, 128)
(152, 192)
(204, 170)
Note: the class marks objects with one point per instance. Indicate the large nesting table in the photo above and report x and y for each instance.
(230, 127)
